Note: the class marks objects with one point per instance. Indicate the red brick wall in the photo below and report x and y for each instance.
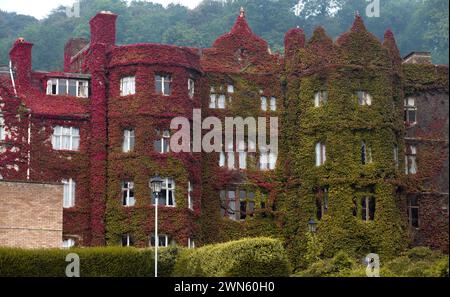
(31, 215)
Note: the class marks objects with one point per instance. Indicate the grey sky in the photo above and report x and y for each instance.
(40, 8)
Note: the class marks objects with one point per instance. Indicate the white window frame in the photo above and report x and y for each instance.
(190, 197)
(165, 78)
(127, 189)
(157, 240)
(410, 105)
(320, 98)
(68, 243)
(263, 103)
(321, 154)
(191, 88)
(365, 99)
(129, 240)
(69, 193)
(367, 153)
(273, 104)
(230, 89)
(127, 86)
(165, 186)
(191, 243)
(129, 139)
(165, 139)
(217, 101)
(411, 161)
(73, 135)
(2, 128)
(267, 160)
(396, 157)
(78, 93)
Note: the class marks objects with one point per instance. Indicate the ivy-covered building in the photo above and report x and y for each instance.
(363, 140)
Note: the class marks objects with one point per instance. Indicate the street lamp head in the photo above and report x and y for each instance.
(312, 225)
(155, 184)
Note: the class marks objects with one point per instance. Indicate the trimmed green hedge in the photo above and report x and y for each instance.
(251, 257)
(416, 262)
(94, 262)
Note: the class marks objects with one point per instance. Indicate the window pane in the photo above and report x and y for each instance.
(273, 104)
(221, 102)
(212, 103)
(264, 103)
(72, 87)
(62, 89)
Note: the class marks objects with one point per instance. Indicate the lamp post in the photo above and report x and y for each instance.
(312, 225)
(155, 184)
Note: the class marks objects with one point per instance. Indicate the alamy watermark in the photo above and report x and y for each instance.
(73, 268)
(74, 10)
(373, 9)
(373, 265)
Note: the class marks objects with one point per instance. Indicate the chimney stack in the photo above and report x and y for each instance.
(20, 56)
(103, 28)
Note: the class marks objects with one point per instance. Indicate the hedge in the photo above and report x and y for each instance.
(94, 262)
(250, 257)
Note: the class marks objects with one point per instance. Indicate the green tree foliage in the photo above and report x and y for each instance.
(418, 24)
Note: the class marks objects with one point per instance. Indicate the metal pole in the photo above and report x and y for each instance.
(156, 234)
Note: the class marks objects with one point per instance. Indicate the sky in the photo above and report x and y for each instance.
(40, 8)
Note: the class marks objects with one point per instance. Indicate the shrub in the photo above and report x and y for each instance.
(94, 262)
(251, 257)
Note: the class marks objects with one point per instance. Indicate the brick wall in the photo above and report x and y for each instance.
(31, 215)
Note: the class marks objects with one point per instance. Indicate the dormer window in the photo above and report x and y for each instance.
(68, 87)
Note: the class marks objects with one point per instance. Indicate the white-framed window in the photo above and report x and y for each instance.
(263, 103)
(71, 87)
(368, 208)
(366, 153)
(191, 243)
(413, 211)
(411, 160)
(66, 138)
(396, 157)
(273, 104)
(228, 159)
(191, 88)
(321, 154)
(162, 144)
(163, 240)
(410, 111)
(127, 240)
(68, 243)
(267, 160)
(167, 195)
(163, 84)
(322, 202)
(217, 101)
(242, 154)
(364, 98)
(320, 98)
(128, 198)
(69, 187)
(2, 128)
(237, 204)
(128, 140)
(190, 197)
(127, 85)
(230, 89)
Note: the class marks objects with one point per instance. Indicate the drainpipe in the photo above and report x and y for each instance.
(12, 77)
(29, 146)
